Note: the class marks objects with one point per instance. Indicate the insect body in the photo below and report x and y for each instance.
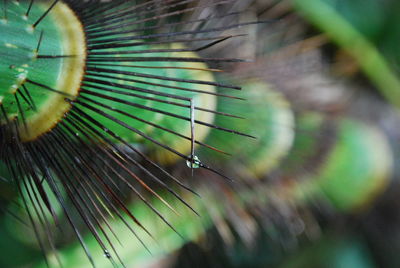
(81, 84)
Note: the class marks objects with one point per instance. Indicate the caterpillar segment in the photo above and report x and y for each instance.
(341, 160)
(42, 63)
(267, 115)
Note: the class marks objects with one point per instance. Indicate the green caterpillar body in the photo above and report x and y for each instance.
(41, 66)
(268, 116)
(343, 160)
(337, 143)
(28, 69)
(19, 56)
(83, 82)
(119, 86)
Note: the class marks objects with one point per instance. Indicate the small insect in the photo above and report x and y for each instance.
(82, 83)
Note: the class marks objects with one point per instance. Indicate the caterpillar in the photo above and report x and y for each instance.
(321, 157)
(248, 161)
(82, 84)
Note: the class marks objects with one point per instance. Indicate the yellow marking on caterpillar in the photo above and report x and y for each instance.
(13, 89)
(73, 43)
(30, 29)
(10, 45)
